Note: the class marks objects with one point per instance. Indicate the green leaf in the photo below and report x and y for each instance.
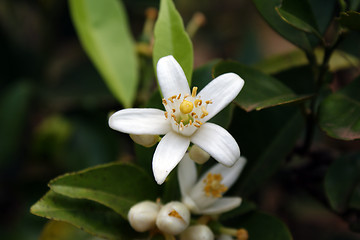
(14, 106)
(350, 19)
(103, 31)
(84, 214)
(266, 137)
(56, 230)
(268, 12)
(299, 15)
(341, 181)
(339, 113)
(118, 186)
(172, 39)
(260, 90)
(244, 208)
(262, 226)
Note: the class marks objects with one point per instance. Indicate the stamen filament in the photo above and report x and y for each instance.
(194, 91)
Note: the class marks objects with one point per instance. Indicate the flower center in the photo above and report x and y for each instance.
(186, 111)
(213, 186)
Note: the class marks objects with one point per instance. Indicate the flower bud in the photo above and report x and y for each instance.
(173, 218)
(145, 140)
(198, 155)
(197, 232)
(142, 216)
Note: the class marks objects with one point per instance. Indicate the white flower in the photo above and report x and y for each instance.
(197, 232)
(173, 218)
(185, 118)
(142, 216)
(205, 196)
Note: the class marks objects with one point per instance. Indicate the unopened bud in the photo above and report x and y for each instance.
(173, 218)
(142, 216)
(197, 232)
(198, 155)
(145, 140)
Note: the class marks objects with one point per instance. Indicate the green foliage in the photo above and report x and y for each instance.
(14, 107)
(260, 90)
(103, 30)
(116, 185)
(342, 183)
(171, 38)
(350, 19)
(84, 214)
(344, 103)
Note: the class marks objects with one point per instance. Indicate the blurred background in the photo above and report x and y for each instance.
(54, 106)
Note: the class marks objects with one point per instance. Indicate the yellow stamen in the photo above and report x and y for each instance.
(173, 110)
(213, 186)
(203, 109)
(166, 114)
(197, 121)
(194, 91)
(186, 95)
(175, 214)
(179, 96)
(173, 116)
(190, 122)
(197, 102)
(171, 100)
(198, 126)
(208, 102)
(186, 107)
(164, 101)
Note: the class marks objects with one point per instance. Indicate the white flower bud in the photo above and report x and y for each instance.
(142, 216)
(197, 232)
(145, 140)
(198, 155)
(173, 218)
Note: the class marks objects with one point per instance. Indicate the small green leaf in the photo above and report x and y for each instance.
(350, 19)
(341, 181)
(116, 185)
(172, 39)
(268, 12)
(260, 90)
(57, 230)
(103, 31)
(339, 113)
(84, 214)
(266, 137)
(299, 15)
(262, 226)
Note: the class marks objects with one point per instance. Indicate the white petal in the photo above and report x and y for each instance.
(187, 174)
(229, 174)
(171, 77)
(168, 154)
(221, 91)
(223, 205)
(217, 142)
(140, 121)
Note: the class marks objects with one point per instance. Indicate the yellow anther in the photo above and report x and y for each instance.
(203, 109)
(166, 114)
(179, 96)
(164, 101)
(198, 126)
(213, 186)
(175, 214)
(194, 91)
(173, 110)
(171, 100)
(197, 102)
(190, 122)
(208, 102)
(242, 234)
(198, 122)
(173, 116)
(186, 107)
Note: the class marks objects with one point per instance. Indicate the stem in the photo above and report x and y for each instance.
(228, 231)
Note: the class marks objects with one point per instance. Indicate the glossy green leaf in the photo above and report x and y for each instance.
(339, 113)
(268, 12)
(14, 106)
(57, 230)
(299, 15)
(262, 226)
(350, 19)
(265, 138)
(84, 214)
(323, 12)
(260, 90)
(172, 39)
(341, 181)
(103, 31)
(116, 185)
